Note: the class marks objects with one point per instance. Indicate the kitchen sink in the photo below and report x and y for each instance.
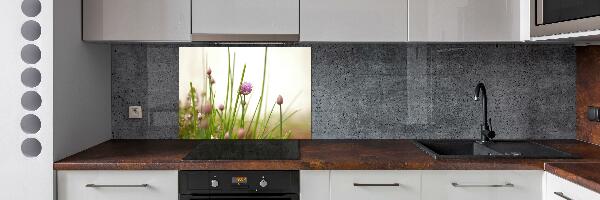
(471, 149)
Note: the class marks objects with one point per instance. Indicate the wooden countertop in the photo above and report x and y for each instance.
(584, 174)
(314, 155)
(331, 155)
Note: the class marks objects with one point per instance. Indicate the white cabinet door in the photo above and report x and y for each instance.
(314, 185)
(117, 185)
(231, 18)
(468, 21)
(354, 20)
(482, 185)
(375, 185)
(136, 20)
(560, 189)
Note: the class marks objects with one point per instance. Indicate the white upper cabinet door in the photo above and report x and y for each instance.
(468, 20)
(354, 20)
(224, 18)
(375, 185)
(136, 20)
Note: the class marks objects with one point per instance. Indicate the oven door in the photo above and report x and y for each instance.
(240, 197)
(551, 17)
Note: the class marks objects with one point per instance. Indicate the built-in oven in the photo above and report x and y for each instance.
(238, 185)
(552, 17)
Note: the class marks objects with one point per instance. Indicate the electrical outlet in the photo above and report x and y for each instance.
(135, 112)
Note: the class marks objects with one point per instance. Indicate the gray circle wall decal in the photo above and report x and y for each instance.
(31, 30)
(31, 124)
(31, 147)
(31, 77)
(31, 100)
(31, 54)
(31, 8)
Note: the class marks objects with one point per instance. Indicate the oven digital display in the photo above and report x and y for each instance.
(239, 180)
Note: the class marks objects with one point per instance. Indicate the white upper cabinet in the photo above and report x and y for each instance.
(307, 20)
(244, 20)
(354, 20)
(136, 20)
(468, 20)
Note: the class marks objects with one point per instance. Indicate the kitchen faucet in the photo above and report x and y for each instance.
(487, 134)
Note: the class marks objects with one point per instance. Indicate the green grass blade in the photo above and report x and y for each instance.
(262, 91)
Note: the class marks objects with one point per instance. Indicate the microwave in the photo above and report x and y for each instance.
(553, 17)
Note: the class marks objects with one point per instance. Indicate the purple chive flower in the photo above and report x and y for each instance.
(221, 107)
(246, 88)
(207, 108)
(279, 100)
(241, 133)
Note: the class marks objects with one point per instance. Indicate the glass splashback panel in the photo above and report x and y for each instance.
(244, 92)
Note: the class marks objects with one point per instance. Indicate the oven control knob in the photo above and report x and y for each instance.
(263, 183)
(214, 183)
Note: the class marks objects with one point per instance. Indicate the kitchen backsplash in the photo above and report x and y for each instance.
(381, 91)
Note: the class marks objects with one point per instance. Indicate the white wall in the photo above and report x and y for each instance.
(75, 95)
(82, 86)
(23, 177)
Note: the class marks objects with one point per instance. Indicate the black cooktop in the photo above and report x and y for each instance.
(245, 150)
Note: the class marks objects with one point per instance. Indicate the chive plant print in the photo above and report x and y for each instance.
(244, 93)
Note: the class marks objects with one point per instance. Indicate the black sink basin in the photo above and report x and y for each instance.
(468, 149)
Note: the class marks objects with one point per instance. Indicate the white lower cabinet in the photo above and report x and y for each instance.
(482, 185)
(375, 185)
(117, 185)
(560, 189)
(314, 184)
(341, 185)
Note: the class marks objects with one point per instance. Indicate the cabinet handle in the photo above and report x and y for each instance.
(493, 185)
(115, 186)
(562, 195)
(376, 184)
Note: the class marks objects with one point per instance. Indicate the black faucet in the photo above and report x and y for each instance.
(487, 134)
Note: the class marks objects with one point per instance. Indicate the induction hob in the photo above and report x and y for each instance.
(245, 150)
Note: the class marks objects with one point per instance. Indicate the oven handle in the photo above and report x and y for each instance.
(190, 197)
(285, 196)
